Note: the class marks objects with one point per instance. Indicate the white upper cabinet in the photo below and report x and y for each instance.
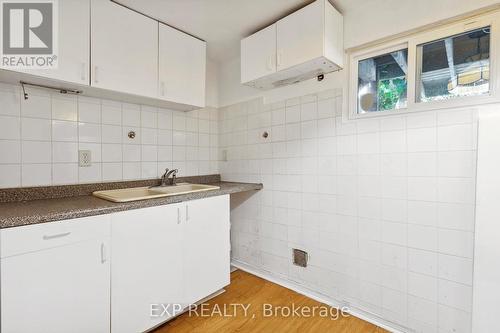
(182, 67)
(258, 54)
(124, 50)
(307, 43)
(300, 36)
(109, 50)
(74, 44)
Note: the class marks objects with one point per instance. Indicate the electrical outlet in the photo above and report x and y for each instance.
(85, 158)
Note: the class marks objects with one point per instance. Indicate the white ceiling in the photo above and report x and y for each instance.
(222, 23)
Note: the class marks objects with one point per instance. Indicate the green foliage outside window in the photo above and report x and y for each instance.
(390, 92)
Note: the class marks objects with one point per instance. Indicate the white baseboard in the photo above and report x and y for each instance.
(392, 327)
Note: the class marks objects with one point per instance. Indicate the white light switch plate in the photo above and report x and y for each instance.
(85, 158)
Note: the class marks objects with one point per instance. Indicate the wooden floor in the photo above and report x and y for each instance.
(253, 291)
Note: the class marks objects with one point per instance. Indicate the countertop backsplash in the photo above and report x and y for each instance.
(40, 139)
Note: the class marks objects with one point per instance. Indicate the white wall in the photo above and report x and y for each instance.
(231, 91)
(487, 231)
(40, 138)
(212, 88)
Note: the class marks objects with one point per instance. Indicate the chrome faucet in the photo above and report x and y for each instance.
(166, 181)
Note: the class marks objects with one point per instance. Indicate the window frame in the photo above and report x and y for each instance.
(411, 42)
(371, 54)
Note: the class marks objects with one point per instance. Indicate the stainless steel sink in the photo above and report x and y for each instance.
(144, 193)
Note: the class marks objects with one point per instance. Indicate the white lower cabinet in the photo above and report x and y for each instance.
(55, 277)
(123, 272)
(165, 258)
(206, 247)
(146, 267)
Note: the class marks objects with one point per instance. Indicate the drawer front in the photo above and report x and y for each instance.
(37, 237)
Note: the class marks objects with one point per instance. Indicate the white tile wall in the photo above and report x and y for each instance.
(384, 206)
(40, 138)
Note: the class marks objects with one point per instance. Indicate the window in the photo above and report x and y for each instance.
(454, 66)
(382, 82)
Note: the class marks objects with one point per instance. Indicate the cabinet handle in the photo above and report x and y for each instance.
(103, 253)
(187, 213)
(162, 88)
(280, 56)
(178, 215)
(48, 237)
(84, 75)
(96, 71)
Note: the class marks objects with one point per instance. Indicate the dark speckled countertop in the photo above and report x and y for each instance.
(19, 213)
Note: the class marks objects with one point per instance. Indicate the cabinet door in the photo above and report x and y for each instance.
(258, 54)
(74, 43)
(58, 290)
(182, 60)
(124, 50)
(300, 36)
(147, 267)
(206, 247)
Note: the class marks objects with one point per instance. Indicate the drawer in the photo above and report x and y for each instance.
(18, 240)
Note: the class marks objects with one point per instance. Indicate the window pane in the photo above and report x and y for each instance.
(454, 66)
(382, 82)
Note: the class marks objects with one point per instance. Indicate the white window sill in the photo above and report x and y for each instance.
(459, 102)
